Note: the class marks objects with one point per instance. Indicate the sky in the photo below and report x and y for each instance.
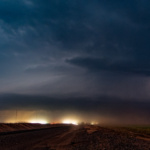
(86, 58)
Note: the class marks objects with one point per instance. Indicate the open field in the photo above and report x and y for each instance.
(71, 137)
(7, 127)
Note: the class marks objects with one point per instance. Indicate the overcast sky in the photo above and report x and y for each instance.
(79, 50)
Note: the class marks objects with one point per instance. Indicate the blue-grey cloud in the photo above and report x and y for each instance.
(48, 46)
(97, 64)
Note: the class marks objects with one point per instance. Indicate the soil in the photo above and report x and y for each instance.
(71, 137)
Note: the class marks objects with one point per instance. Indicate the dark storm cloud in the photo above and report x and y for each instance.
(101, 27)
(42, 39)
(96, 65)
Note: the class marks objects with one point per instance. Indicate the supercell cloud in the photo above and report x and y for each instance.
(60, 55)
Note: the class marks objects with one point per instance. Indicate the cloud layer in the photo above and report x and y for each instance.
(72, 48)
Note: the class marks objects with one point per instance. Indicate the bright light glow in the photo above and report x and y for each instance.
(94, 123)
(38, 121)
(70, 121)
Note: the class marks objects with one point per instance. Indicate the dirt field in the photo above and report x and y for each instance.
(7, 127)
(82, 137)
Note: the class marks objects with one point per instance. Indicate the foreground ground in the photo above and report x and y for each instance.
(69, 137)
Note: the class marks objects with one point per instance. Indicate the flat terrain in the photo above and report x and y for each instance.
(82, 137)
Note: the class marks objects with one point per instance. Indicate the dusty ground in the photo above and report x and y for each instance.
(6, 127)
(83, 137)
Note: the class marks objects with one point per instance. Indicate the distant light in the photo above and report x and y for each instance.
(70, 121)
(54, 123)
(38, 121)
(94, 123)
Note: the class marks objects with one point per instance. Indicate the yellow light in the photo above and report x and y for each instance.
(70, 121)
(38, 121)
(94, 123)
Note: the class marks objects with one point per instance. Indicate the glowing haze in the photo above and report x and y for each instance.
(75, 61)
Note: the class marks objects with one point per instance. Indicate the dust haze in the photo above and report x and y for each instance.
(102, 110)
